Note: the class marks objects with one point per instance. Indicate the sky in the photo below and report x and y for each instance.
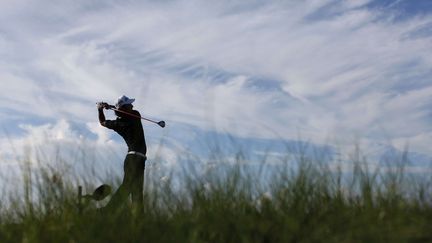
(330, 72)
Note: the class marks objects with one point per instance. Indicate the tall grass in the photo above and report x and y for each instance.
(300, 200)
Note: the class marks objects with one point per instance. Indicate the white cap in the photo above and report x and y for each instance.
(124, 100)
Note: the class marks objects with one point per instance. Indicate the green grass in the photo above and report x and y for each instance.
(305, 202)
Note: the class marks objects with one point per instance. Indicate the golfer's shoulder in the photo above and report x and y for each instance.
(135, 112)
(136, 119)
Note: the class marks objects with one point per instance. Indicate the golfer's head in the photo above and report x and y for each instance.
(124, 102)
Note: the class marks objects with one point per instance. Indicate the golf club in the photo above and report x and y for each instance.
(160, 123)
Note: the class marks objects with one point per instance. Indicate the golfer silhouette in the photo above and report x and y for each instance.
(130, 128)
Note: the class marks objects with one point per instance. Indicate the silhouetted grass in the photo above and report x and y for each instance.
(301, 200)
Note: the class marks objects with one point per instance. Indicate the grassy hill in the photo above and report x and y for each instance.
(309, 202)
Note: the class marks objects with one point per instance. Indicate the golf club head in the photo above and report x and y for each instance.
(101, 192)
(161, 123)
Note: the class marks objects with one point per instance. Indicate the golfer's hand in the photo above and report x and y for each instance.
(102, 105)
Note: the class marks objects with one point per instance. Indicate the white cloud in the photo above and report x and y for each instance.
(355, 3)
(338, 66)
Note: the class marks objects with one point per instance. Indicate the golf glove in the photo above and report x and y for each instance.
(101, 105)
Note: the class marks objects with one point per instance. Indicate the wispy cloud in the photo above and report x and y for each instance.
(256, 69)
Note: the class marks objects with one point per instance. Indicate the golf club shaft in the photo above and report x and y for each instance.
(133, 115)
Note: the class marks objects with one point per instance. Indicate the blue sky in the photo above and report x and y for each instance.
(331, 72)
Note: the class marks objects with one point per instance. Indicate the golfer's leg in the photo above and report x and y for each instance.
(125, 188)
(138, 185)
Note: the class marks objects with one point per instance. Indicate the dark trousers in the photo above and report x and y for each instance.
(133, 183)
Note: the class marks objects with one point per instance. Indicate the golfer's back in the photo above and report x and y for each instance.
(130, 128)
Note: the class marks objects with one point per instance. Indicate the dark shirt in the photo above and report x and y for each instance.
(130, 128)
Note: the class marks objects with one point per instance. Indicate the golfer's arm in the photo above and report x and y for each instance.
(101, 117)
